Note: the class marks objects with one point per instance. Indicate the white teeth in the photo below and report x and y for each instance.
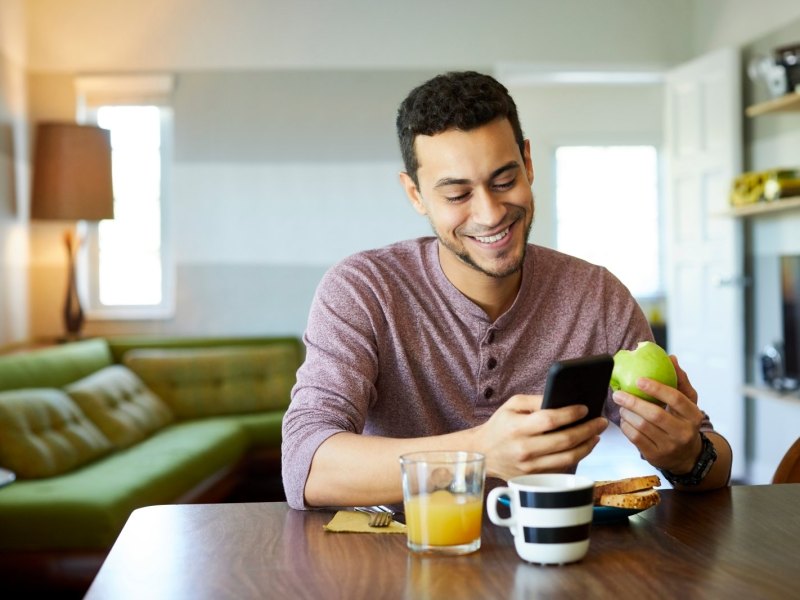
(493, 238)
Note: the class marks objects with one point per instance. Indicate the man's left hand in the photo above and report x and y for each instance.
(668, 438)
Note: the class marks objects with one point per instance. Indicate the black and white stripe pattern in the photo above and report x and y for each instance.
(551, 516)
(548, 499)
(556, 535)
(563, 502)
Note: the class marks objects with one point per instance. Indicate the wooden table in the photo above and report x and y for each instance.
(742, 542)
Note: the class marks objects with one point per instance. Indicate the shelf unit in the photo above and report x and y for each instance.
(761, 391)
(761, 208)
(787, 103)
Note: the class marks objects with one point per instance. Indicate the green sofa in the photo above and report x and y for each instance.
(96, 428)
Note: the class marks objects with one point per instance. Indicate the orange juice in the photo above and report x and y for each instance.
(443, 519)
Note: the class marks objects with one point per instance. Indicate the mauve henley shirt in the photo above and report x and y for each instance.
(394, 349)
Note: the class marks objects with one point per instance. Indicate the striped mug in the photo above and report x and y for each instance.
(551, 515)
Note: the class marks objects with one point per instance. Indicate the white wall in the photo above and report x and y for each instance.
(285, 152)
(112, 35)
(13, 174)
(275, 176)
(247, 34)
(286, 157)
(13, 38)
(278, 174)
(719, 23)
(288, 167)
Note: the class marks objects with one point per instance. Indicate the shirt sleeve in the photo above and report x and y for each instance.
(336, 383)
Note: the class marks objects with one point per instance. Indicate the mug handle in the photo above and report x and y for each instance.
(491, 508)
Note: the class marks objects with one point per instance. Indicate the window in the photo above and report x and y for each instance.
(126, 268)
(607, 211)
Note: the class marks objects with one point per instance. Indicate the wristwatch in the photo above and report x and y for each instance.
(705, 461)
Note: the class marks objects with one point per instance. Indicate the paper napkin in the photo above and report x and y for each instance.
(357, 522)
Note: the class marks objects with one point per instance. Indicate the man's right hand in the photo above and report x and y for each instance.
(519, 438)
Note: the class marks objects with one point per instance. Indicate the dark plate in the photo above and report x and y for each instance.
(601, 515)
(610, 514)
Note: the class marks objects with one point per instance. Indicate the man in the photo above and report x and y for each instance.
(445, 342)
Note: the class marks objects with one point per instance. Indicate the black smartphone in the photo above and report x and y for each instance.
(582, 380)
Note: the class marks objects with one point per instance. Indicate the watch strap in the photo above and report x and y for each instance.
(706, 459)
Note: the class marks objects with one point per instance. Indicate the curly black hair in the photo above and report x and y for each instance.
(461, 100)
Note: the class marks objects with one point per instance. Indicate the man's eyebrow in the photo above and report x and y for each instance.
(445, 181)
(509, 166)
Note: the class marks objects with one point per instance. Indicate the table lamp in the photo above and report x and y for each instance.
(72, 182)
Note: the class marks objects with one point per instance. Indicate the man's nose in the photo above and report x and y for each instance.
(487, 209)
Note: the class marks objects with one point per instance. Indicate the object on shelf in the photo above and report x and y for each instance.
(748, 188)
(765, 186)
(789, 58)
(781, 183)
(779, 73)
(773, 369)
(762, 70)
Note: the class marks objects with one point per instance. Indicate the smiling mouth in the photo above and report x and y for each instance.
(491, 239)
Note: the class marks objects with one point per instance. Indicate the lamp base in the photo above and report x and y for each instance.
(73, 312)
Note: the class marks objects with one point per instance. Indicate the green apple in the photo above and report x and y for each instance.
(648, 360)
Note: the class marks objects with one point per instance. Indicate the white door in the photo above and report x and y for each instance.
(704, 253)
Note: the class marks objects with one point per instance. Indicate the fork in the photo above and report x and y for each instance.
(379, 519)
(379, 516)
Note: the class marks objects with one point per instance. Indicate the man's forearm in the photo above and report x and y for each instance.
(359, 470)
(720, 473)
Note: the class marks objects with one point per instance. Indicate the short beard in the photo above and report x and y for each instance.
(465, 257)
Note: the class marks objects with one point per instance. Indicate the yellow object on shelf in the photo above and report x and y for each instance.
(765, 186)
(748, 188)
(781, 183)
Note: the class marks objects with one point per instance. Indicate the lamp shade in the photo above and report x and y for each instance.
(72, 173)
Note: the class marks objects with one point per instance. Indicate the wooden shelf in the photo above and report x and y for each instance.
(761, 208)
(789, 102)
(762, 391)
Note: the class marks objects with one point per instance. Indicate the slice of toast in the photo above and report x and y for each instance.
(634, 500)
(625, 486)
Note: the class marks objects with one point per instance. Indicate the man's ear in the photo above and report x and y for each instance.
(528, 162)
(412, 192)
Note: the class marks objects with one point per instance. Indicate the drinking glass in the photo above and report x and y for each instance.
(443, 500)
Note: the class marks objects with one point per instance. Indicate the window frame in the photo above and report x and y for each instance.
(92, 94)
(620, 140)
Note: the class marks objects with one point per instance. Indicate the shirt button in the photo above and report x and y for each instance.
(491, 363)
(488, 393)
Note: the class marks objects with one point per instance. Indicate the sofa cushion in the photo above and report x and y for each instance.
(205, 382)
(261, 428)
(120, 404)
(55, 366)
(119, 346)
(86, 508)
(43, 433)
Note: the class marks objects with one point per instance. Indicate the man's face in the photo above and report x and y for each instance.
(475, 189)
